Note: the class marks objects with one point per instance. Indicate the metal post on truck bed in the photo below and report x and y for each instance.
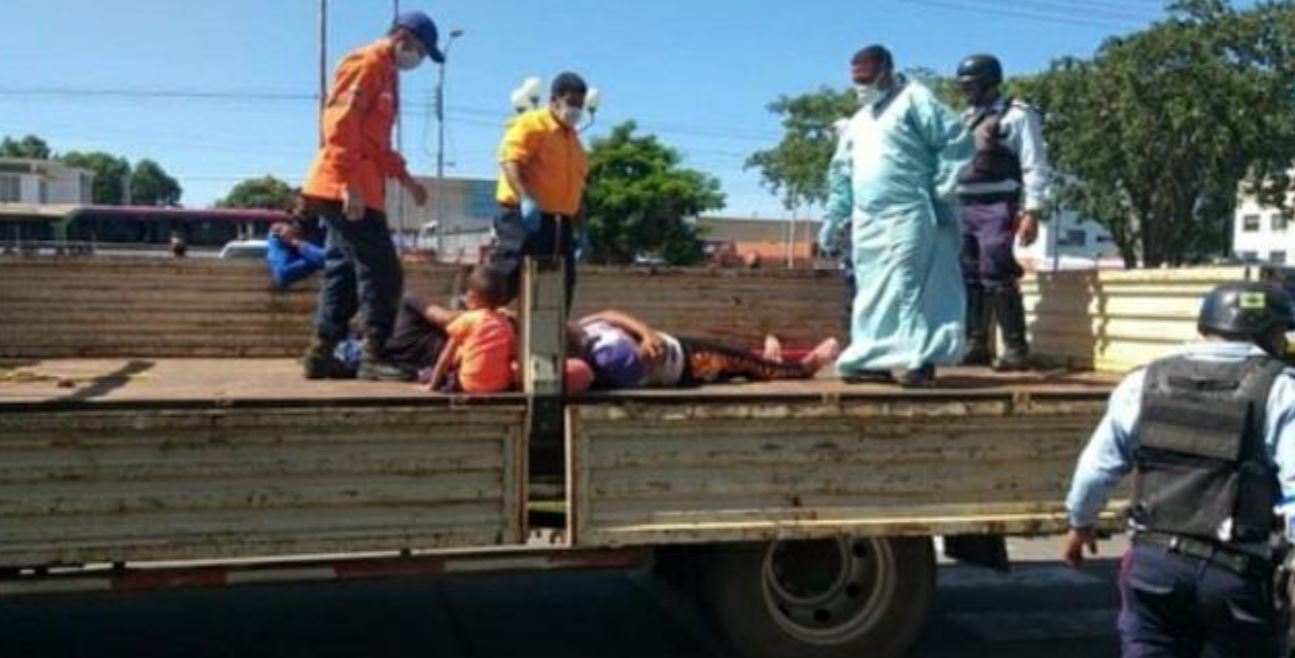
(543, 356)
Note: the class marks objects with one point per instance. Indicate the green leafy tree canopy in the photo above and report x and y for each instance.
(639, 199)
(150, 185)
(29, 146)
(266, 192)
(796, 169)
(1155, 135)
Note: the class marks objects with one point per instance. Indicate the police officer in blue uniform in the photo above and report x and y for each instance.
(1002, 197)
(1210, 437)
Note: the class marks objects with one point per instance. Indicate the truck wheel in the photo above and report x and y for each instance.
(827, 598)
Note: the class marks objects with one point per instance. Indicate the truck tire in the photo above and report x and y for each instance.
(828, 598)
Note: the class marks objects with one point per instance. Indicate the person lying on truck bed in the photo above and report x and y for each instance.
(626, 352)
(294, 251)
(420, 338)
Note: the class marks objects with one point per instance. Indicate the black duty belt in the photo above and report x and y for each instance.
(1231, 559)
(990, 198)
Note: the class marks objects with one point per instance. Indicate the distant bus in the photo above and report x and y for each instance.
(148, 225)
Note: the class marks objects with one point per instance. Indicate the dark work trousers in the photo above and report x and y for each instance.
(1177, 606)
(361, 269)
(555, 237)
(988, 235)
(847, 314)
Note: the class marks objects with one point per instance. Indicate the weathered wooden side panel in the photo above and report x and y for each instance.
(110, 485)
(658, 473)
(1118, 320)
(84, 308)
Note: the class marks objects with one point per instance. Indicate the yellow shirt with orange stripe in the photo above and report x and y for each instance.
(552, 161)
(357, 121)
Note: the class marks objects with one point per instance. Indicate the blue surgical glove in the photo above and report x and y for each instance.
(530, 215)
(584, 247)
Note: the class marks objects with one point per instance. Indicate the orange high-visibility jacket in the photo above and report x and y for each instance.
(358, 117)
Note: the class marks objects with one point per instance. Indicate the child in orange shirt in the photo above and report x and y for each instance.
(478, 359)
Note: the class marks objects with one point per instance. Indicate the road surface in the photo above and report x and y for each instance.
(1042, 608)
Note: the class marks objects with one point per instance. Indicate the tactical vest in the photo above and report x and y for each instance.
(994, 161)
(1202, 471)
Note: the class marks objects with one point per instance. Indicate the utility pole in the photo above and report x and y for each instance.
(440, 142)
(323, 65)
(400, 138)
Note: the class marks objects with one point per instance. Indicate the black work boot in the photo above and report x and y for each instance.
(1011, 318)
(978, 326)
(320, 363)
(375, 366)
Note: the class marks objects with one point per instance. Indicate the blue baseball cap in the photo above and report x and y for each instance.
(424, 30)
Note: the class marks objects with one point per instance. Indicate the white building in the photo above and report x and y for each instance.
(1261, 234)
(1067, 241)
(43, 182)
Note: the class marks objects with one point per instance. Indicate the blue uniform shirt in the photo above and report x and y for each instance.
(289, 265)
(1109, 455)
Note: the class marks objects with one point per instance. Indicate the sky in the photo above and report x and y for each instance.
(222, 90)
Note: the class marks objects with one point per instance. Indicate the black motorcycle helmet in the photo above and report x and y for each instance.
(1246, 311)
(978, 74)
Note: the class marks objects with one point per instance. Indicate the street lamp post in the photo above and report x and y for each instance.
(440, 142)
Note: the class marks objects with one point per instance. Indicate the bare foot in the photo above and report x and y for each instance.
(773, 348)
(825, 353)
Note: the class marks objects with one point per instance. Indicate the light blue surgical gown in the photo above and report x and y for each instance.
(893, 180)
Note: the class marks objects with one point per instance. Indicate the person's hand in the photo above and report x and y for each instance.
(353, 203)
(1027, 227)
(530, 214)
(829, 241)
(1076, 541)
(651, 346)
(416, 190)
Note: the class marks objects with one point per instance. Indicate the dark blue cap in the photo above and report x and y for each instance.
(424, 29)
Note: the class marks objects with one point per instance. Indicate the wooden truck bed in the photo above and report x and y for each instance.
(110, 460)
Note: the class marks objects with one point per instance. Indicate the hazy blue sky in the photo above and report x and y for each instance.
(86, 74)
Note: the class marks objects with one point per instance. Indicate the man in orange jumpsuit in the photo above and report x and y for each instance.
(346, 189)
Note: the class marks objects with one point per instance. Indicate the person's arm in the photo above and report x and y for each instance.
(840, 200)
(948, 139)
(355, 88)
(439, 315)
(1280, 434)
(649, 340)
(285, 266)
(311, 254)
(1026, 140)
(448, 355)
(1106, 460)
(521, 142)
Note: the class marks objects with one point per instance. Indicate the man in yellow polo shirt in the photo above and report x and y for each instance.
(541, 184)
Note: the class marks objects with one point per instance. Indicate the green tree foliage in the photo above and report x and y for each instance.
(1154, 136)
(30, 146)
(111, 174)
(796, 169)
(639, 199)
(150, 185)
(266, 192)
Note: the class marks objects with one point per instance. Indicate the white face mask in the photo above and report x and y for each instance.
(570, 116)
(408, 57)
(869, 95)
